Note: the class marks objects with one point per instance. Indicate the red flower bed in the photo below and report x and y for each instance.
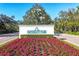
(38, 47)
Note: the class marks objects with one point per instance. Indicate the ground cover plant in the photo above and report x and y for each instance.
(38, 47)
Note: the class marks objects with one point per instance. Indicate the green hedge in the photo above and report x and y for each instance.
(36, 36)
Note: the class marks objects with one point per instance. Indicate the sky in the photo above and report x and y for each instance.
(18, 9)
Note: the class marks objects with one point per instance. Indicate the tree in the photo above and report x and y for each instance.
(68, 20)
(7, 24)
(37, 15)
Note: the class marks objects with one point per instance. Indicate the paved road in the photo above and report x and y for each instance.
(7, 37)
(70, 38)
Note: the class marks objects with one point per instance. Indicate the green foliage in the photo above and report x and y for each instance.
(36, 16)
(7, 24)
(36, 36)
(75, 33)
(68, 21)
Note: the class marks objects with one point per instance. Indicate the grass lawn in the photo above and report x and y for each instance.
(73, 33)
(7, 41)
(70, 44)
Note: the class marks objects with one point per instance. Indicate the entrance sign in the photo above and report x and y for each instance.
(36, 30)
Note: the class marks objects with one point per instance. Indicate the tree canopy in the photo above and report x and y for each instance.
(36, 16)
(68, 20)
(7, 24)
